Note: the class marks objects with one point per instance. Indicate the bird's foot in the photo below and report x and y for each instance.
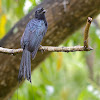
(41, 50)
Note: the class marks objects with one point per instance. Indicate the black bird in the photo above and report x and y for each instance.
(30, 42)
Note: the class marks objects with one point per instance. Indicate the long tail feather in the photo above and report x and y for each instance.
(24, 57)
(29, 64)
(25, 66)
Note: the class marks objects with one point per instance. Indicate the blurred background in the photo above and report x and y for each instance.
(62, 76)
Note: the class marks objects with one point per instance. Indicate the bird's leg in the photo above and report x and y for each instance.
(41, 50)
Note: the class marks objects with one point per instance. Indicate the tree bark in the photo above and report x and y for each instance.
(63, 16)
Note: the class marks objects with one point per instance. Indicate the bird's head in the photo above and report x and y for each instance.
(40, 13)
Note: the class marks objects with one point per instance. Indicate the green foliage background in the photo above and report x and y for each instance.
(62, 76)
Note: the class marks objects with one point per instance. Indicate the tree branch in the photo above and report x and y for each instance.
(86, 32)
(47, 48)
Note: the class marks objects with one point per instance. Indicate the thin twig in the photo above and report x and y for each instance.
(86, 32)
(47, 48)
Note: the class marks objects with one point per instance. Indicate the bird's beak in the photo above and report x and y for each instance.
(44, 11)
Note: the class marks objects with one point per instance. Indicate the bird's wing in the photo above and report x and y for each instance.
(30, 29)
(33, 35)
(37, 35)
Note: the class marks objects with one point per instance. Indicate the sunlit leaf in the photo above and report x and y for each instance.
(2, 25)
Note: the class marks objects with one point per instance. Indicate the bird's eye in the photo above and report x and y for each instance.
(40, 10)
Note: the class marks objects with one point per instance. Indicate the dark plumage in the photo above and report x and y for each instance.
(30, 42)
